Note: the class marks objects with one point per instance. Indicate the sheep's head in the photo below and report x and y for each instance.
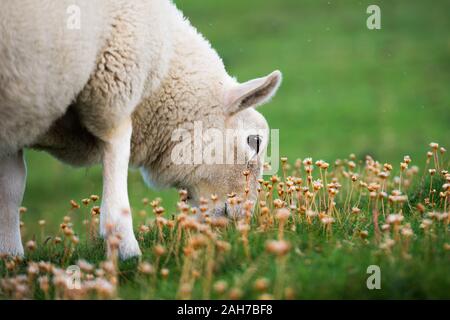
(245, 139)
(220, 152)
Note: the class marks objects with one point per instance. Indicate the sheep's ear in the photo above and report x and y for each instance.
(252, 93)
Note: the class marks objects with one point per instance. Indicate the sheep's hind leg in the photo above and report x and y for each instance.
(12, 187)
(115, 212)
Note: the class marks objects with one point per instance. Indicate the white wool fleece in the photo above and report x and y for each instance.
(113, 92)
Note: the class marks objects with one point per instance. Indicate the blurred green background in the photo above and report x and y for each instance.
(346, 88)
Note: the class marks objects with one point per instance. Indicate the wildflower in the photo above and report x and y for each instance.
(317, 185)
(220, 286)
(113, 242)
(85, 266)
(289, 293)
(143, 228)
(397, 197)
(235, 293)
(10, 265)
(183, 194)
(159, 250)
(219, 222)
(266, 296)
(68, 232)
(31, 245)
(426, 223)
(33, 268)
(420, 207)
(434, 145)
(277, 247)
(223, 246)
(403, 166)
(394, 219)
(214, 198)
(161, 221)
(278, 203)
(351, 165)
(307, 162)
(94, 197)
(108, 267)
(75, 240)
(283, 214)
(95, 210)
(74, 205)
(387, 244)
(261, 284)
(165, 273)
(407, 231)
(104, 288)
(356, 210)
(364, 234)
(311, 213)
(327, 220)
(414, 169)
(44, 283)
(384, 175)
(432, 215)
(442, 216)
(267, 166)
(196, 274)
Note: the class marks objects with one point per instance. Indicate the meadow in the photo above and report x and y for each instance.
(344, 230)
(347, 90)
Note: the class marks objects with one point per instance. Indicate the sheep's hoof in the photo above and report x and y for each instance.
(129, 248)
(11, 250)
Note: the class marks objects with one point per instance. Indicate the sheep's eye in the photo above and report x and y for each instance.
(255, 141)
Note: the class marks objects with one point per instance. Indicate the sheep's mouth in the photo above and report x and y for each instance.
(220, 211)
(226, 210)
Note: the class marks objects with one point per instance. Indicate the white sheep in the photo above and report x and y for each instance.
(112, 92)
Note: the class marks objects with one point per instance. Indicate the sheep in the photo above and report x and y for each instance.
(113, 92)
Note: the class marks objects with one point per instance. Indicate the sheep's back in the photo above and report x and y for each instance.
(45, 61)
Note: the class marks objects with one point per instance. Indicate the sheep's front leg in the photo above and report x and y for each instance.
(12, 187)
(115, 212)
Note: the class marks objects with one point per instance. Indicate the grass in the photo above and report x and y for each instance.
(346, 89)
(314, 233)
